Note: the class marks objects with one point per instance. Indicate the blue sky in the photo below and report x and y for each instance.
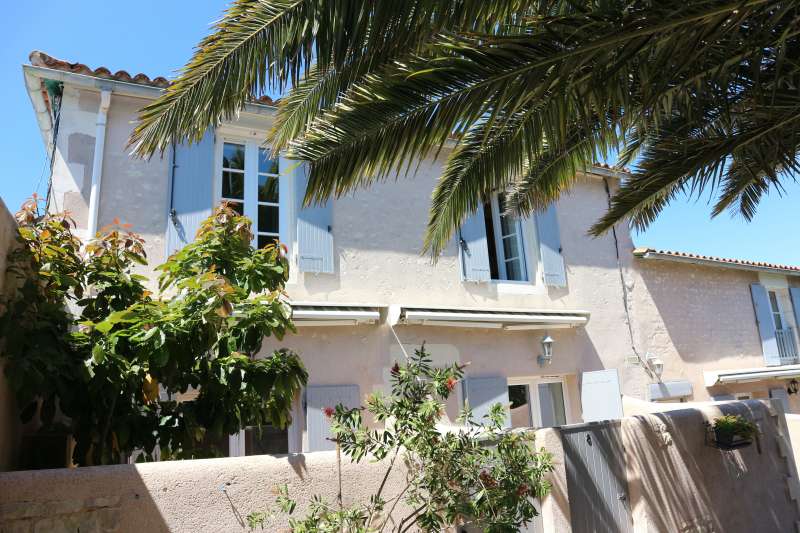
(157, 37)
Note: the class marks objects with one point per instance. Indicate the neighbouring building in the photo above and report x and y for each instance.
(557, 323)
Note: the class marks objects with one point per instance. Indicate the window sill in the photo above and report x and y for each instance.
(515, 287)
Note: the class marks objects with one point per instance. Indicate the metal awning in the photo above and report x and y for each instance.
(507, 319)
(743, 375)
(333, 314)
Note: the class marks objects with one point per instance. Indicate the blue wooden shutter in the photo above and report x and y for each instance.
(550, 247)
(482, 393)
(314, 227)
(794, 294)
(318, 397)
(601, 397)
(766, 326)
(192, 191)
(474, 249)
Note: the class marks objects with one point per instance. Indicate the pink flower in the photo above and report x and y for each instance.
(329, 411)
(451, 383)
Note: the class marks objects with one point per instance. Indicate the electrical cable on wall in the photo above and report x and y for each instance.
(625, 294)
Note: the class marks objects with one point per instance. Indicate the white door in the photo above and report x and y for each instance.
(538, 402)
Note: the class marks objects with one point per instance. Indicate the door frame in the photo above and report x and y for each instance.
(535, 381)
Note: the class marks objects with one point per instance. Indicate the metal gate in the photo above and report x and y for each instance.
(598, 492)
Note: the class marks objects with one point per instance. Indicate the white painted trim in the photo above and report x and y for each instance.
(97, 162)
(773, 281)
(286, 212)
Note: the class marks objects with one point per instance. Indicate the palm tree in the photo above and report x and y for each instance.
(701, 97)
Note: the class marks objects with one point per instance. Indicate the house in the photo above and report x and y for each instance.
(556, 323)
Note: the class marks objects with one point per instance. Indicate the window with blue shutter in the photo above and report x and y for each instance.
(192, 194)
(766, 326)
(550, 248)
(482, 393)
(314, 228)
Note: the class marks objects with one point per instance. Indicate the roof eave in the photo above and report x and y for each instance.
(654, 255)
(118, 87)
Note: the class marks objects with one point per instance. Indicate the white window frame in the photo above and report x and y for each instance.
(533, 383)
(498, 243)
(251, 203)
(529, 244)
(779, 312)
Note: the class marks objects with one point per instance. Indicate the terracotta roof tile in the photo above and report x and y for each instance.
(725, 260)
(40, 59)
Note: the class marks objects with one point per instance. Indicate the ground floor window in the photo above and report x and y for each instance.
(537, 403)
(268, 440)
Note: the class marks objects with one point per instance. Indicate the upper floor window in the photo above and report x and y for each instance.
(251, 188)
(505, 242)
(777, 314)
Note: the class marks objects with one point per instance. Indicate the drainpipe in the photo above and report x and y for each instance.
(97, 162)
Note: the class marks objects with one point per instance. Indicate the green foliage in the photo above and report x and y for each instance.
(481, 474)
(83, 336)
(702, 95)
(735, 425)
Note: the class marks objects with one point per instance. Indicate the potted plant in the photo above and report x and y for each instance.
(733, 431)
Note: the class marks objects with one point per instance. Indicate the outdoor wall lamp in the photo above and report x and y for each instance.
(547, 351)
(656, 365)
(793, 387)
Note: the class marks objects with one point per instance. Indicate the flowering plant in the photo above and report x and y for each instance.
(479, 474)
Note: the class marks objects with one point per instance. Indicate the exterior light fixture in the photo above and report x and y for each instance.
(793, 387)
(656, 366)
(547, 351)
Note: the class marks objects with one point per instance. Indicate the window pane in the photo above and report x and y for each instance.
(773, 301)
(237, 206)
(233, 156)
(551, 404)
(268, 218)
(267, 189)
(520, 406)
(514, 270)
(268, 440)
(265, 164)
(264, 240)
(233, 185)
(511, 247)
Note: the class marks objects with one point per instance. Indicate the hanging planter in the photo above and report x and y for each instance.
(733, 431)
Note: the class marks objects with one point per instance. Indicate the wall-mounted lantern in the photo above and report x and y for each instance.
(547, 351)
(793, 387)
(656, 366)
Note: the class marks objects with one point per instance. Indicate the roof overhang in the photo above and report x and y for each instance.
(745, 375)
(505, 319)
(35, 76)
(329, 314)
(646, 253)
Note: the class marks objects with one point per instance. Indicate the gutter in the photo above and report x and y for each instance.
(97, 161)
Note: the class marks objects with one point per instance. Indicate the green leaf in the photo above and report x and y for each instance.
(98, 354)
